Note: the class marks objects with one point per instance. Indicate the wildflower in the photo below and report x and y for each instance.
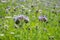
(21, 17)
(16, 19)
(43, 18)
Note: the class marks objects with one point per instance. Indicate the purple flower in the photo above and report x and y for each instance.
(42, 18)
(21, 17)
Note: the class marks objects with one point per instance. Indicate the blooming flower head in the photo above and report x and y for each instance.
(42, 18)
(21, 17)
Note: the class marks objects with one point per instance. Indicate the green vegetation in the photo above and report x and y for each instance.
(34, 29)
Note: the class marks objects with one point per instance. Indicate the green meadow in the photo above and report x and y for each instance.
(34, 29)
